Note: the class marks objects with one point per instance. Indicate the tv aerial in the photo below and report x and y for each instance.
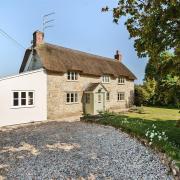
(47, 21)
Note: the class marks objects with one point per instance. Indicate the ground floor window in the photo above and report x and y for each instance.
(72, 97)
(23, 98)
(121, 96)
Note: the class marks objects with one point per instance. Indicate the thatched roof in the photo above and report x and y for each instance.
(59, 59)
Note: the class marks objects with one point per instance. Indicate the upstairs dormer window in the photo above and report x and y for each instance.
(72, 76)
(106, 79)
(121, 80)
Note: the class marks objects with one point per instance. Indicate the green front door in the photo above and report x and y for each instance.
(99, 102)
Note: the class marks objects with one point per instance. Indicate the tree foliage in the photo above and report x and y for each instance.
(162, 82)
(154, 24)
(144, 94)
(155, 27)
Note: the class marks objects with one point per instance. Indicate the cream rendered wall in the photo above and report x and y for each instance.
(58, 85)
(34, 81)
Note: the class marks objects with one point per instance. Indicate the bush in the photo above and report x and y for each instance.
(141, 96)
(141, 110)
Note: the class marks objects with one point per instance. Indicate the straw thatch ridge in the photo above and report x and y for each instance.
(59, 59)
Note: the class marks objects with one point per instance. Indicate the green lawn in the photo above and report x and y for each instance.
(157, 114)
(157, 125)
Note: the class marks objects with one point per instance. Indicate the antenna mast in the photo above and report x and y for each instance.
(47, 22)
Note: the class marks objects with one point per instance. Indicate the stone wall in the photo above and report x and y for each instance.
(58, 85)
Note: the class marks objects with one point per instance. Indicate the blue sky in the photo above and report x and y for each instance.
(78, 24)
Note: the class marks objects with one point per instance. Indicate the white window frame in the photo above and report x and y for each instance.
(121, 80)
(72, 76)
(73, 98)
(119, 96)
(26, 98)
(105, 79)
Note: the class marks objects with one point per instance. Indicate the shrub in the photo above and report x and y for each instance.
(141, 96)
(141, 110)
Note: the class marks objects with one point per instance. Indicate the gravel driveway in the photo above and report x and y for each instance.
(76, 150)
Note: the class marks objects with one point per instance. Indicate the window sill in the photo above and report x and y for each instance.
(121, 83)
(121, 100)
(71, 103)
(22, 107)
(72, 80)
(105, 82)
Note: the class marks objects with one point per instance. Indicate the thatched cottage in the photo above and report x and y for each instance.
(54, 82)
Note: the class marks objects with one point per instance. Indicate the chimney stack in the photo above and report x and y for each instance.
(38, 38)
(118, 56)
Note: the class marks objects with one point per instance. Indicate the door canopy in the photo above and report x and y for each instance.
(96, 87)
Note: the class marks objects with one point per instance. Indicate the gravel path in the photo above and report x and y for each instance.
(61, 150)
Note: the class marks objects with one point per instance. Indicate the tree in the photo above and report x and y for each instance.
(162, 80)
(154, 25)
(140, 96)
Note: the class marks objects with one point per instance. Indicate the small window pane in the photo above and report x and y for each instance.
(72, 97)
(69, 77)
(16, 102)
(23, 94)
(107, 96)
(16, 95)
(73, 77)
(76, 76)
(30, 102)
(23, 102)
(67, 97)
(30, 94)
